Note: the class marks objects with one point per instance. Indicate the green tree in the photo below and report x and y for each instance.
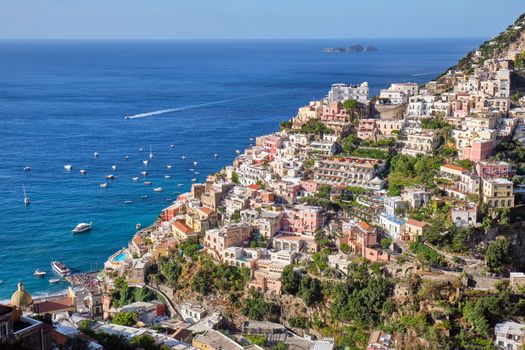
(497, 253)
(125, 318)
(310, 290)
(290, 280)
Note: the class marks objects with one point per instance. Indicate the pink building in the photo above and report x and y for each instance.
(301, 219)
(367, 129)
(375, 255)
(478, 151)
(494, 169)
(334, 111)
(309, 186)
(461, 106)
(271, 143)
(233, 235)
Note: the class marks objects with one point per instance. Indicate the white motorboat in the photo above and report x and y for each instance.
(83, 171)
(191, 169)
(181, 185)
(196, 173)
(82, 227)
(150, 153)
(126, 157)
(183, 157)
(135, 178)
(237, 151)
(111, 177)
(141, 149)
(27, 201)
(54, 280)
(216, 155)
(104, 185)
(96, 154)
(114, 167)
(145, 162)
(68, 167)
(39, 273)
(60, 268)
(144, 173)
(169, 167)
(167, 177)
(158, 189)
(144, 196)
(195, 163)
(128, 202)
(193, 180)
(27, 168)
(147, 183)
(172, 145)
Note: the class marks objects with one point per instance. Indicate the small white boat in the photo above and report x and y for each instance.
(191, 169)
(193, 180)
(144, 196)
(216, 155)
(82, 227)
(237, 151)
(39, 273)
(1, 281)
(27, 201)
(169, 167)
(183, 157)
(68, 167)
(96, 154)
(114, 167)
(135, 178)
(54, 280)
(145, 162)
(181, 185)
(128, 202)
(169, 199)
(150, 153)
(126, 157)
(144, 173)
(167, 177)
(147, 183)
(141, 149)
(83, 171)
(27, 168)
(196, 173)
(138, 226)
(172, 145)
(104, 185)
(158, 189)
(195, 163)
(111, 177)
(251, 138)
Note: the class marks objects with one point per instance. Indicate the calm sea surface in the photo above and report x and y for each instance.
(61, 101)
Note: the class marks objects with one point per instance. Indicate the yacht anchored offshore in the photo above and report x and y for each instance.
(82, 227)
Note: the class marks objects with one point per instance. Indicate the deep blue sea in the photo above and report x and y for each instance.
(61, 101)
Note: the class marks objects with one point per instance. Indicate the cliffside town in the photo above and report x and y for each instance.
(387, 222)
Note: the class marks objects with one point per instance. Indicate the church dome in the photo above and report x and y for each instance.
(21, 297)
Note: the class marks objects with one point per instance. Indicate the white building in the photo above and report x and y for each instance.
(509, 335)
(342, 92)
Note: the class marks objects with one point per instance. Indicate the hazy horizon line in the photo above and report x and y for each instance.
(239, 39)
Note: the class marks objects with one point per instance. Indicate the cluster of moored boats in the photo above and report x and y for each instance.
(69, 168)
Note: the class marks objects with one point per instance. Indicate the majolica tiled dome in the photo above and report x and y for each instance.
(21, 298)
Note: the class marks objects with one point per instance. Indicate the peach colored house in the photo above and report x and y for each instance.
(495, 169)
(182, 232)
(413, 230)
(359, 236)
(376, 255)
(233, 235)
(367, 129)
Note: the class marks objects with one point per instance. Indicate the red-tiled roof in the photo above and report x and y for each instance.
(53, 305)
(206, 210)
(420, 224)
(364, 226)
(454, 167)
(181, 227)
(254, 187)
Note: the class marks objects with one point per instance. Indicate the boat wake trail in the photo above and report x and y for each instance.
(200, 105)
(423, 74)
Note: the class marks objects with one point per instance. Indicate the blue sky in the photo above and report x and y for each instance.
(244, 19)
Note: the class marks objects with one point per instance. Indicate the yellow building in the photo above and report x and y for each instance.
(498, 193)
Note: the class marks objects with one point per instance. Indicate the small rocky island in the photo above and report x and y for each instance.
(350, 49)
